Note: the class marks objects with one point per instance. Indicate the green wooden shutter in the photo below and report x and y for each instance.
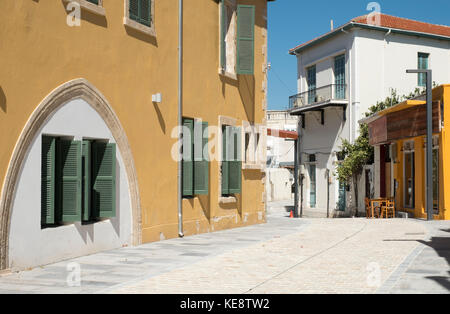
(235, 161)
(145, 14)
(93, 1)
(223, 34)
(188, 160)
(134, 10)
(104, 180)
(48, 180)
(69, 180)
(86, 166)
(140, 11)
(201, 161)
(246, 39)
(225, 162)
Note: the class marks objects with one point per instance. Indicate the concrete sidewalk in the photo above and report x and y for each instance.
(101, 271)
(283, 256)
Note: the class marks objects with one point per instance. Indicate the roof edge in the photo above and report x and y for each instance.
(352, 24)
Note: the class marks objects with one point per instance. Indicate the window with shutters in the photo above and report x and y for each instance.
(78, 181)
(93, 6)
(237, 28)
(195, 158)
(140, 15)
(231, 166)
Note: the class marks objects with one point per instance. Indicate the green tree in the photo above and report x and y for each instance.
(354, 156)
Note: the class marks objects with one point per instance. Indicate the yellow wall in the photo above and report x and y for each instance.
(41, 52)
(441, 93)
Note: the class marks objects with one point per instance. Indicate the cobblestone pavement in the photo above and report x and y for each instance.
(283, 256)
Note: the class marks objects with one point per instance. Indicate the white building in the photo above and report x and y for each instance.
(280, 156)
(343, 73)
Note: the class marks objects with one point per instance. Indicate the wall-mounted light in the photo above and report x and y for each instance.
(157, 98)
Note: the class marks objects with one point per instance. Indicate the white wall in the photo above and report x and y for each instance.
(382, 64)
(322, 140)
(279, 184)
(31, 246)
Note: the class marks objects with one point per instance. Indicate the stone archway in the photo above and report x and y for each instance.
(75, 89)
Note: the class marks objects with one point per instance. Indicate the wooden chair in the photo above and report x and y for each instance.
(368, 208)
(377, 208)
(388, 211)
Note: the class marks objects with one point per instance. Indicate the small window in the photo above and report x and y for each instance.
(78, 181)
(139, 15)
(423, 59)
(312, 158)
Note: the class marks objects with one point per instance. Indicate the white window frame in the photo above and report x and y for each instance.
(127, 21)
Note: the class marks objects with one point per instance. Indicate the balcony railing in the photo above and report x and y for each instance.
(319, 95)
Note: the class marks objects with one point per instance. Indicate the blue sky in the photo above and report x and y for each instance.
(292, 22)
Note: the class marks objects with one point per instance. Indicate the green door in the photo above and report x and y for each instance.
(312, 196)
(342, 201)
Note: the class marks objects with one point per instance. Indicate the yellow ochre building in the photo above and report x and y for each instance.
(399, 136)
(90, 92)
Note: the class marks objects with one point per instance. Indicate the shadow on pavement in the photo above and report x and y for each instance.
(441, 245)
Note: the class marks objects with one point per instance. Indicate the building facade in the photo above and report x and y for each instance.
(89, 120)
(280, 156)
(343, 73)
(399, 137)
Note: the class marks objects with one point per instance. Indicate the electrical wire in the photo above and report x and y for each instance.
(282, 82)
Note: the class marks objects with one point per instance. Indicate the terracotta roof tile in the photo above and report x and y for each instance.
(389, 21)
(408, 25)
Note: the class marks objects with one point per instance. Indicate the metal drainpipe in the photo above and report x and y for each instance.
(180, 118)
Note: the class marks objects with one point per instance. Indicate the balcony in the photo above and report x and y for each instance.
(330, 94)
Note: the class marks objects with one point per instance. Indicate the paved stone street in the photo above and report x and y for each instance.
(282, 256)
